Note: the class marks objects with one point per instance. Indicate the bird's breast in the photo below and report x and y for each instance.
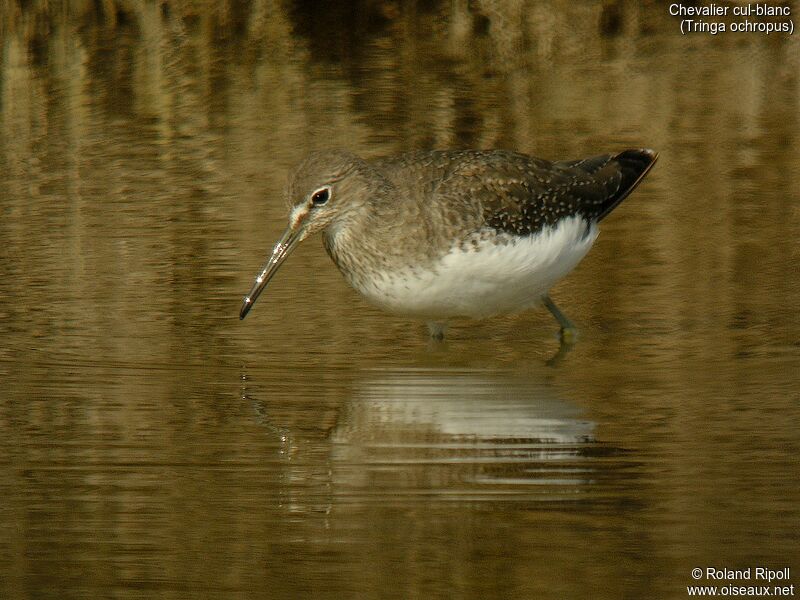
(482, 275)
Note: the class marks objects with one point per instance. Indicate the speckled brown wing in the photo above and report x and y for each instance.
(520, 195)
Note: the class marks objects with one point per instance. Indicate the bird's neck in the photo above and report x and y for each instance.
(384, 234)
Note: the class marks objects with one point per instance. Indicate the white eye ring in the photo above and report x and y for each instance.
(321, 196)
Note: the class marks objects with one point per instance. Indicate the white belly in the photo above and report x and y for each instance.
(487, 280)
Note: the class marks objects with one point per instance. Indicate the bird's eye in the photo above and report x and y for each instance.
(320, 197)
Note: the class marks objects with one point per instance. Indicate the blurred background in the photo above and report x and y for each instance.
(151, 444)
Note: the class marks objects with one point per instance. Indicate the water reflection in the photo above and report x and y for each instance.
(442, 435)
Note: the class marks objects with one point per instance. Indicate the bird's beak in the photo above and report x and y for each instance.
(282, 250)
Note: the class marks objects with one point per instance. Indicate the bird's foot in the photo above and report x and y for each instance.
(437, 330)
(567, 338)
(568, 335)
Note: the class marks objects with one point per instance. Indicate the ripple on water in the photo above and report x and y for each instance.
(446, 436)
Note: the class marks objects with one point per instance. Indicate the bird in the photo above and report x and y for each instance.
(440, 234)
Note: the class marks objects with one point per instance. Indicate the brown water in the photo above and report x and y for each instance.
(152, 445)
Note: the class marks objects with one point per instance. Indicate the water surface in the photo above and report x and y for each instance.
(152, 445)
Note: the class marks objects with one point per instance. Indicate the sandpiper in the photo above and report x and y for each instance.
(443, 234)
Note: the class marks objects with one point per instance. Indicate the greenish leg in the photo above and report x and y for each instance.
(569, 333)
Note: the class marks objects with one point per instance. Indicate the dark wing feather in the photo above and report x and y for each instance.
(616, 174)
(520, 194)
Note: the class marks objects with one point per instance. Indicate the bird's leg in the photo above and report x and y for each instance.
(569, 333)
(437, 329)
(563, 349)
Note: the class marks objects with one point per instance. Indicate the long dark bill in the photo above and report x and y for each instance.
(281, 251)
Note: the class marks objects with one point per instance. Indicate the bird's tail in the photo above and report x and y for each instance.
(618, 173)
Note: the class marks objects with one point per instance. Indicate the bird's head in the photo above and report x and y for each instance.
(324, 190)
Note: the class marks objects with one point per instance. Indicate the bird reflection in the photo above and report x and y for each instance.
(399, 435)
